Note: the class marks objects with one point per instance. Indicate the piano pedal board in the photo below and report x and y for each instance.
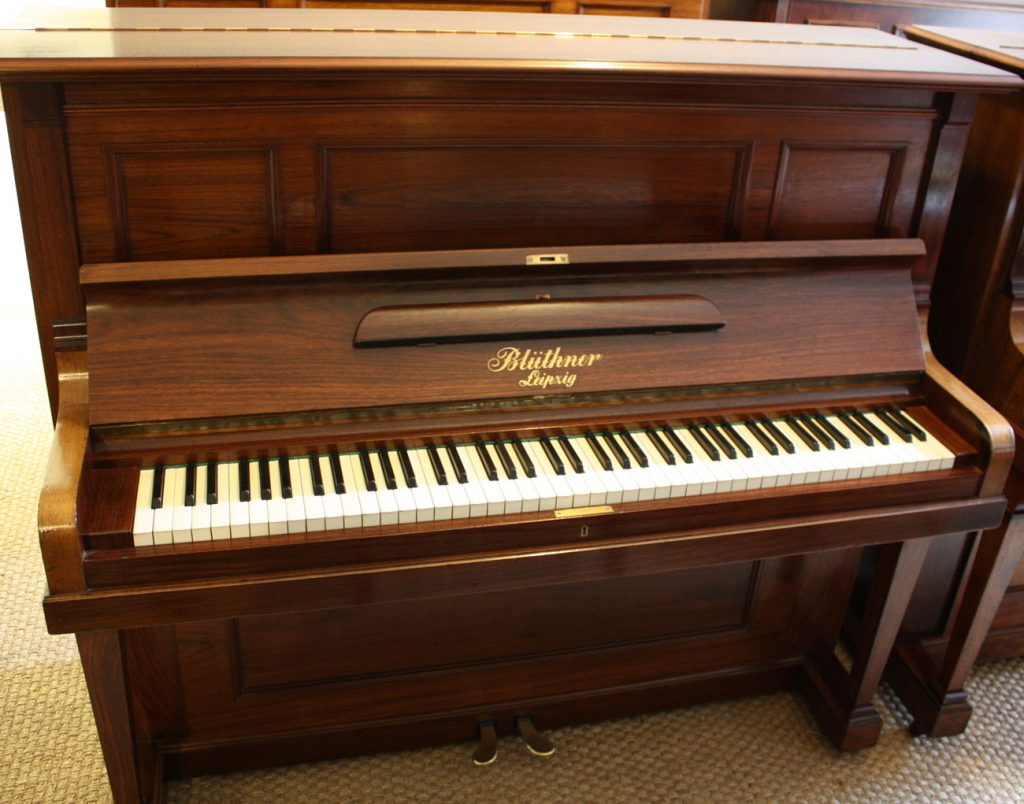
(486, 751)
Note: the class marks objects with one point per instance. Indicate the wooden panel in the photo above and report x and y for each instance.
(641, 8)
(420, 197)
(191, 200)
(192, 360)
(346, 644)
(845, 189)
(482, 673)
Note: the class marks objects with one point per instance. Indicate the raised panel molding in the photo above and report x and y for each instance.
(173, 200)
(421, 195)
(836, 189)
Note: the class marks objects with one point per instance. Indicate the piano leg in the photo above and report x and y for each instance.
(133, 767)
(933, 690)
(841, 699)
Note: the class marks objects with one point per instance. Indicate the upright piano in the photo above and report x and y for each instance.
(438, 380)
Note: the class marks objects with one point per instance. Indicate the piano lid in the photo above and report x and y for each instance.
(141, 40)
(1003, 49)
(243, 337)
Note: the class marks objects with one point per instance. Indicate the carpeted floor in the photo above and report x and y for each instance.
(762, 749)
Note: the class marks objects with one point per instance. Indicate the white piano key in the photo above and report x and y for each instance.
(368, 506)
(295, 504)
(939, 451)
(634, 476)
(426, 506)
(611, 489)
(462, 506)
(238, 511)
(561, 488)
(546, 497)
(259, 523)
(163, 517)
(351, 500)
(439, 500)
(386, 502)
(509, 489)
(181, 514)
(312, 503)
(404, 500)
(676, 482)
(476, 473)
(277, 507)
(722, 476)
(524, 489)
(142, 528)
(201, 531)
(908, 459)
(810, 466)
(220, 512)
(334, 516)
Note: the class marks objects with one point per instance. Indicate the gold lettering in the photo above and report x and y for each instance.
(537, 366)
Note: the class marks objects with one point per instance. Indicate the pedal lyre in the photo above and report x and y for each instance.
(536, 743)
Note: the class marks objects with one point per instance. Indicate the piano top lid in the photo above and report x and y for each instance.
(100, 41)
(1003, 49)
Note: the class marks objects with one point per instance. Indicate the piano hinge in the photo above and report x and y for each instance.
(69, 335)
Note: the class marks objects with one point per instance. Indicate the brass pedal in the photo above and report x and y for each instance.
(536, 743)
(487, 747)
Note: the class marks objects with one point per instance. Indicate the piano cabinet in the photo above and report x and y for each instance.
(220, 655)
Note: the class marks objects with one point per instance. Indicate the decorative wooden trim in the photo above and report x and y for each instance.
(897, 155)
(119, 206)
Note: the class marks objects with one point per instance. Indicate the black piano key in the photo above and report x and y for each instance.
(334, 459)
(741, 443)
(506, 460)
(803, 434)
(894, 425)
(857, 430)
(705, 444)
(552, 455)
(720, 440)
(406, 466)
(616, 449)
(524, 458)
(599, 453)
(905, 420)
(457, 465)
(316, 475)
(390, 481)
(211, 482)
(677, 444)
(871, 427)
(369, 478)
(485, 460)
(832, 430)
(777, 435)
(763, 437)
(570, 453)
(435, 464)
(244, 491)
(157, 500)
(190, 483)
(638, 454)
(264, 469)
(666, 454)
(819, 434)
(284, 468)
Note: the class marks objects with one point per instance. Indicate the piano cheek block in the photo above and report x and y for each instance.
(424, 324)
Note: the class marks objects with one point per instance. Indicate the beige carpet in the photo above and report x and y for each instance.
(762, 749)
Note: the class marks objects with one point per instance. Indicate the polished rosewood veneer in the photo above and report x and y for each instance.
(265, 248)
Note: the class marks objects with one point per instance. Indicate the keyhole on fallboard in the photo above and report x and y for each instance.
(584, 531)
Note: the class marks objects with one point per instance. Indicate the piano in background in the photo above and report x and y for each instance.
(975, 318)
(199, 176)
(886, 15)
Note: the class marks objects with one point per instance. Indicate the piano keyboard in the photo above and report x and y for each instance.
(371, 487)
